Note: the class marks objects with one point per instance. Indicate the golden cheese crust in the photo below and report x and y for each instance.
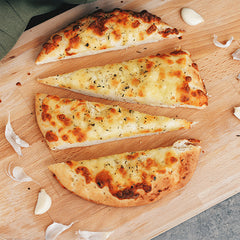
(133, 178)
(104, 31)
(67, 123)
(170, 80)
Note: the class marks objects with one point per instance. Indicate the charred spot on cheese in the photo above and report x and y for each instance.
(122, 171)
(66, 101)
(135, 82)
(104, 178)
(188, 79)
(117, 34)
(132, 156)
(81, 136)
(135, 24)
(194, 65)
(113, 110)
(49, 47)
(66, 121)
(147, 17)
(184, 98)
(45, 107)
(46, 116)
(84, 172)
(168, 31)
(98, 26)
(69, 163)
(178, 52)
(177, 73)
(56, 38)
(51, 137)
(151, 29)
(170, 159)
(181, 61)
(149, 65)
(53, 123)
(53, 97)
(185, 87)
(150, 163)
(65, 137)
(131, 192)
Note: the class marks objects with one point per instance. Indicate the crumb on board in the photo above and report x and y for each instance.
(18, 84)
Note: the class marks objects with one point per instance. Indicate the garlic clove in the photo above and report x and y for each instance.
(191, 17)
(44, 202)
(56, 229)
(237, 112)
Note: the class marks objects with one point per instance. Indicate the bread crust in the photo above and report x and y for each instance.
(174, 173)
(104, 31)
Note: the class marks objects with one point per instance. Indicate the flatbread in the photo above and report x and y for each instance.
(104, 31)
(133, 178)
(167, 80)
(67, 123)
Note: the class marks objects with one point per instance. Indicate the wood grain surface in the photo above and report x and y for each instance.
(218, 173)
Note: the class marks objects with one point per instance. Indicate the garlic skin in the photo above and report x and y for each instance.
(15, 141)
(191, 17)
(18, 174)
(237, 112)
(218, 44)
(85, 235)
(238, 76)
(44, 202)
(56, 229)
(236, 54)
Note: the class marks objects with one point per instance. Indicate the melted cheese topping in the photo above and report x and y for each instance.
(102, 31)
(68, 122)
(161, 80)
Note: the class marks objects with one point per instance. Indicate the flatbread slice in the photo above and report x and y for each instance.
(166, 80)
(104, 31)
(67, 123)
(132, 178)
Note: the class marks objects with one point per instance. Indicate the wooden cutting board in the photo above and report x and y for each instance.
(218, 173)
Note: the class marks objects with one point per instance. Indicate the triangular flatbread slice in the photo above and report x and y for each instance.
(67, 123)
(167, 80)
(133, 178)
(104, 31)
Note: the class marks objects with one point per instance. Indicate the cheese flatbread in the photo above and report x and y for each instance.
(170, 80)
(105, 31)
(133, 178)
(67, 123)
